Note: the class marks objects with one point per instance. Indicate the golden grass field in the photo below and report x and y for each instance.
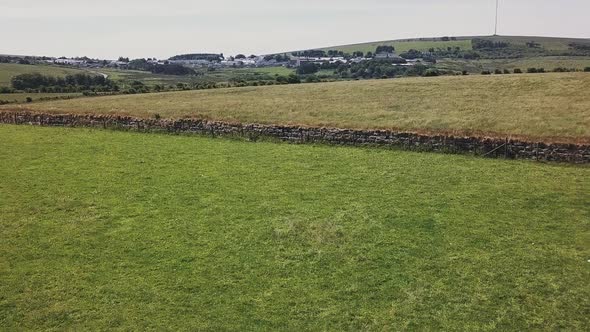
(553, 107)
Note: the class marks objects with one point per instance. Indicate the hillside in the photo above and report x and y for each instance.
(511, 46)
(548, 107)
(9, 70)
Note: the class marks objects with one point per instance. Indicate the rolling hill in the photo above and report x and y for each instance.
(521, 46)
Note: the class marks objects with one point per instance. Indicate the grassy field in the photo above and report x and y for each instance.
(403, 46)
(22, 97)
(549, 63)
(125, 77)
(547, 45)
(113, 230)
(549, 107)
(9, 70)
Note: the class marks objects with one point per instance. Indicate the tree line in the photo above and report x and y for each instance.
(155, 68)
(35, 82)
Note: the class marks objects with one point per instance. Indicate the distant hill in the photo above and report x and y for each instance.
(485, 46)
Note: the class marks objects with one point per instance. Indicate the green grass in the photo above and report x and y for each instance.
(548, 107)
(22, 97)
(549, 63)
(125, 77)
(9, 70)
(548, 45)
(266, 70)
(113, 230)
(403, 45)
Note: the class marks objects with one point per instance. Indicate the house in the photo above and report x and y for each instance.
(70, 62)
(387, 55)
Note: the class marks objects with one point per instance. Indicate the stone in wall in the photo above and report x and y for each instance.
(488, 147)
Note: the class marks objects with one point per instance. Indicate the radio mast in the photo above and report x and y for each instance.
(496, 27)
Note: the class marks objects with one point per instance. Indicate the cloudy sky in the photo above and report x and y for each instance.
(149, 28)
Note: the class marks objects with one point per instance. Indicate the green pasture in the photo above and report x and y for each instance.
(403, 46)
(105, 230)
(9, 70)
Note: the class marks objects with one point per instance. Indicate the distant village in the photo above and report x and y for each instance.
(207, 60)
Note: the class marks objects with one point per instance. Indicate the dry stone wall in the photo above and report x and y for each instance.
(488, 147)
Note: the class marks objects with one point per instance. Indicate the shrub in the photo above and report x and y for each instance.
(506, 71)
(517, 71)
(464, 73)
(312, 79)
(587, 69)
(29, 100)
(486, 72)
(431, 72)
(157, 116)
(293, 79)
(497, 72)
(531, 70)
(282, 79)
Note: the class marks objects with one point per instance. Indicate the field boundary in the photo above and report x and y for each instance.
(478, 146)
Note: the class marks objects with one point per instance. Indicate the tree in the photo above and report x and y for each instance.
(122, 59)
(240, 56)
(587, 69)
(517, 71)
(487, 44)
(385, 49)
(307, 68)
(411, 54)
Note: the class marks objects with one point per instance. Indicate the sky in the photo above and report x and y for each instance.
(108, 29)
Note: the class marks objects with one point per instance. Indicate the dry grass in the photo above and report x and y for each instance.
(548, 107)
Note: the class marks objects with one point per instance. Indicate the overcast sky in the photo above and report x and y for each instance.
(150, 28)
